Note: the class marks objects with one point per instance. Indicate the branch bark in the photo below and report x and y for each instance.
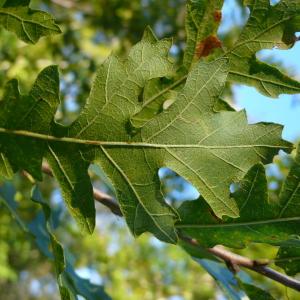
(232, 260)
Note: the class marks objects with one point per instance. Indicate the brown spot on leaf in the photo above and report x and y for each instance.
(218, 16)
(205, 47)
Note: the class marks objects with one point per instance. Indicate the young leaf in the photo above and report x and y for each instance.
(152, 105)
(6, 170)
(259, 221)
(28, 24)
(200, 144)
(268, 27)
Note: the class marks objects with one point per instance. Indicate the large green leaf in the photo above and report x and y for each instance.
(268, 27)
(210, 149)
(260, 221)
(28, 24)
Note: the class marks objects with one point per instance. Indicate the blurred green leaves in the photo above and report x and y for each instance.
(40, 229)
(28, 24)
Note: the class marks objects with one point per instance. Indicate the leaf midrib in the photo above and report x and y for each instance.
(152, 216)
(222, 225)
(25, 20)
(51, 138)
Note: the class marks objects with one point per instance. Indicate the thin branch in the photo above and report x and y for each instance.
(232, 260)
(108, 201)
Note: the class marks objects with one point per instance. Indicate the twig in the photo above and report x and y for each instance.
(108, 201)
(234, 261)
(257, 266)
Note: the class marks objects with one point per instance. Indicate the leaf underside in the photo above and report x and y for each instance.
(269, 26)
(259, 221)
(202, 145)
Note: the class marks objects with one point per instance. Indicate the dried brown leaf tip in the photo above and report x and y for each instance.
(217, 16)
(205, 47)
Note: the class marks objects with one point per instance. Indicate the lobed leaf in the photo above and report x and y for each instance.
(209, 148)
(269, 26)
(260, 221)
(28, 24)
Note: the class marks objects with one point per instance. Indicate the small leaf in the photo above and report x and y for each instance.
(28, 24)
(255, 293)
(224, 278)
(234, 286)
